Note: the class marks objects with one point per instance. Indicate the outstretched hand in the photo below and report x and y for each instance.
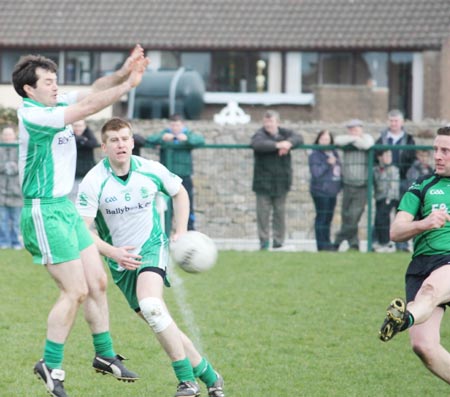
(136, 53)
(138, 68)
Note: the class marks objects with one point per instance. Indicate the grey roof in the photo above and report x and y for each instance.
(225, 24)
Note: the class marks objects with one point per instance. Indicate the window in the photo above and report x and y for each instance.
(237, 71)
(106, 62)
(10, 58)
(400, 82)
(336, 68)
(222, 71)
(78, 67)
(199, 61)
(359, 68)
(170, 60)
(310, 70)
(371, 69)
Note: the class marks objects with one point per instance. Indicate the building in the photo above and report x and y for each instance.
(312, 59)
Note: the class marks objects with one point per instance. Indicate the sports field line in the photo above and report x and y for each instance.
(185, 308)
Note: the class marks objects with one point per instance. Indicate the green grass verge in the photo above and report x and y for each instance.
(277, 324)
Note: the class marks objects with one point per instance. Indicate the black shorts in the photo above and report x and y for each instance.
(419, 269)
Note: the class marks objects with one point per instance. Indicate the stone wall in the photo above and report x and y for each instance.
(224, 201)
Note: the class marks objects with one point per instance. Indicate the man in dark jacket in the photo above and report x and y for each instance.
(272, 177)
(86, 143)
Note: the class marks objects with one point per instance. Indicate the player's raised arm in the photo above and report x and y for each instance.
(98, 100)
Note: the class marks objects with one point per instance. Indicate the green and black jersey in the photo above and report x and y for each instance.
(428, 194)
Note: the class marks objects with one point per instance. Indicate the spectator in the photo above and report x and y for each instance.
(325, 184)
(86, 143)
(10, 195)
(387, 192)
(395, 134)
(179, 161)
(420, 167)
(272, 177)
(354, 175)
(139, 143)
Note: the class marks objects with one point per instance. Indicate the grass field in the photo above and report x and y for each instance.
(274, 324)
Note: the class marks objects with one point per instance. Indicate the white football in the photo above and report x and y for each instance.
(194, 252)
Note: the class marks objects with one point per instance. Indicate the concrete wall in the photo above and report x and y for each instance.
(445, 82)
(431, 84)
(339, 103)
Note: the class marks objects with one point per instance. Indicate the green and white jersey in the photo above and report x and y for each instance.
(429, 194)
(125, 211)
(47, 149)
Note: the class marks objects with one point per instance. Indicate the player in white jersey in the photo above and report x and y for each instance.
(118, 194)
(53, 231)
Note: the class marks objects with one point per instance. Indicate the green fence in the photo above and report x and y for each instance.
(225, 205)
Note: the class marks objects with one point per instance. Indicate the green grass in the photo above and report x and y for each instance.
(277, 324)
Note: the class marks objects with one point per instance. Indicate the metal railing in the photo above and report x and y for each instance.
(225, 204)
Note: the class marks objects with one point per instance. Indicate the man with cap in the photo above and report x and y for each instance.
(354, 177)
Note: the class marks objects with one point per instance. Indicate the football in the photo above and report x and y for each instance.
(194, 252)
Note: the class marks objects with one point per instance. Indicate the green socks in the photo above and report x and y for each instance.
(183, 370)
(103, 345)
(409, 321)
(53, 354)
(205, 372)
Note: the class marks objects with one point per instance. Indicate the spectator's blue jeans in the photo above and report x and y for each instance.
(325, 206)
(9, 227)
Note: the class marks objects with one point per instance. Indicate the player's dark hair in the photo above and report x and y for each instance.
(114, 124)
(444, 131)
(24, 72)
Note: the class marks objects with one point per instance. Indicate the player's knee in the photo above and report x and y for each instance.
(78, 295)
(155, 313)
(99, 284)
(427, 290)
(102, 282)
